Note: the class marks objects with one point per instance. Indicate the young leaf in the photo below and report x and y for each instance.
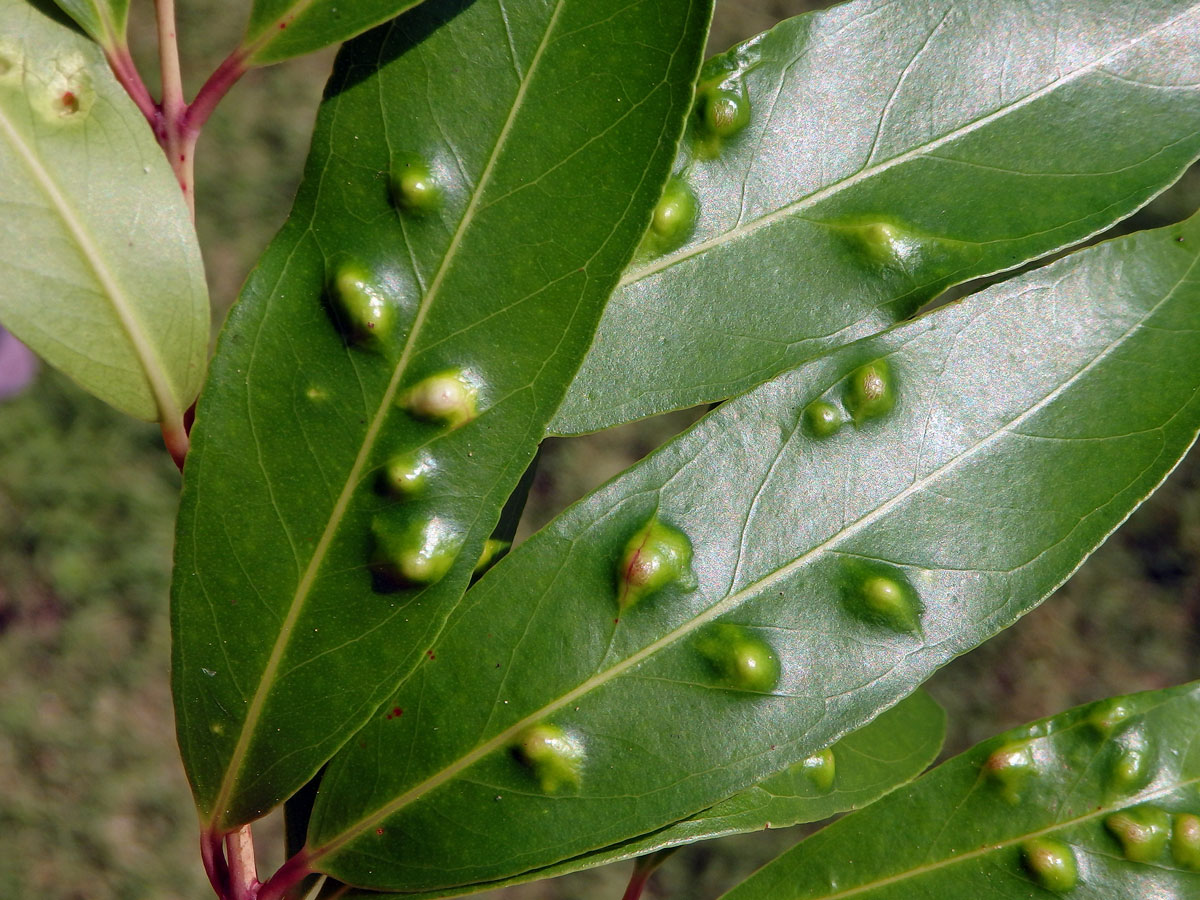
(104, 20)
(1074, 828)
(281, 29)
(829, 575)
(870, 762)
(388, 373)
(891, 150)
(101, 270)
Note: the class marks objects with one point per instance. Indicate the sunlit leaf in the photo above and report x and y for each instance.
(387, 375)
(891, 150)
(983, 452)
(1070, 823)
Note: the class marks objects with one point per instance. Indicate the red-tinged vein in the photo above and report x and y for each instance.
(305, 585)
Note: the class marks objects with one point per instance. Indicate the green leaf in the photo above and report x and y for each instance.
(281, 29)
(104, 20)
(870, 762)
(389, 371)
(101, 272)
(892, 150)
(1027, 422)
(960, 832)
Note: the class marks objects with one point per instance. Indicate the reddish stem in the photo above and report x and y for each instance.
(219, 82)
(290, 874)
(215, 867)
(123, 66)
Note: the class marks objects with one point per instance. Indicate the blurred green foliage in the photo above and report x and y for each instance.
(93, 803)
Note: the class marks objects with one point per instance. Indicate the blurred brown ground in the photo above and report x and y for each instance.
(93, 804)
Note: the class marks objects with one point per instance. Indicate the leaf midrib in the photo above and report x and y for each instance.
(632, 276)
(124, 308)
(303, 588)
(509, 734)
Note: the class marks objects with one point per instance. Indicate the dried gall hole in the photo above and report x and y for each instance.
(739, 658)
(656, 556)
(67, 94)
(553, 756)
(447, 398)
(414, 552)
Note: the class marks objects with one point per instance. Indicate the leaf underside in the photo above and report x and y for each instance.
(979, 132)
(122, 310)
(1028, 422)
(547, 153)
(962, 832)
(103, 20)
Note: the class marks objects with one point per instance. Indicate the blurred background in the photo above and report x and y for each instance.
(93, 802)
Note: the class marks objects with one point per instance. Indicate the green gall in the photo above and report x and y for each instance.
(1185, 841)
(869, 391)
(407, 475)
(414, 188)
(744, 661)
(820, 768)
(1134, 764)
(822, 419)
(1051, 863)
(449, 398)
(890, 244)
(724, 111)
(554, 756)
(673, 218)
(362, 312)
(1142, 832)
(655, 557)
(1108, 716)
(490, 555)
(1010, 767)
(414, 554)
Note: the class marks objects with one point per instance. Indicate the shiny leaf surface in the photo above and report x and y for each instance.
(123, 311)
(1024, 425)
(281, 29)
(388, 372)
(892, 150)
(887, 753)
(958, 833)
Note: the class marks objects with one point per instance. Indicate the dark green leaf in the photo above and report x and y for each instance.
(281, 29)
(1027, 422)
(871, 762)
(983, 134)
(104, 20)
(969, 830)
(122, 310)
(548, 151)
